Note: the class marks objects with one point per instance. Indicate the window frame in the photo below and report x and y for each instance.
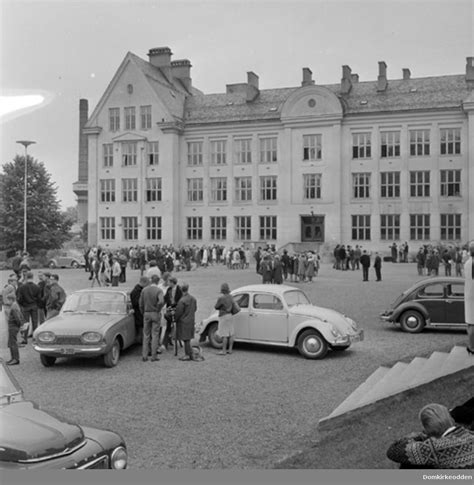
(390, 144)
(312, 147)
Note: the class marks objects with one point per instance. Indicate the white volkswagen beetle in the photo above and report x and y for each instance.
(283, 316)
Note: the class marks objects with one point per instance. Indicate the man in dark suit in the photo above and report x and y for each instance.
(365, 263)
(185, 321)
(378, 267)
(172, 297)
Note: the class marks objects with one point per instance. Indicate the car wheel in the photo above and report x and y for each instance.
(214, 339)
(75, 265)
(52, 265)
(312, 345)
(47, 360)
(412, 321)
(112, 357)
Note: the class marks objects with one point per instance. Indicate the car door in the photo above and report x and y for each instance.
(455, 303)
(241, 319)
(268, 318)
(432, 297)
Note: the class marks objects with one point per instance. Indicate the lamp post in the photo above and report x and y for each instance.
(26, 144)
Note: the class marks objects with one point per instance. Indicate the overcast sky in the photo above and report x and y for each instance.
(69, 50)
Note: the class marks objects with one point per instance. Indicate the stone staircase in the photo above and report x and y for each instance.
(391, 381)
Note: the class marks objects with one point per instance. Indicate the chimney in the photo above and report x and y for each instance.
(354, 78)
(161, 57)
(252, 86)
(307, 77)
(346, 81)
(181, 69)
(382, 79)
(83, 144)
(406, 73)
(470, 70)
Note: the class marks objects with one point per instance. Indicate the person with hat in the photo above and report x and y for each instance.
(225, 305)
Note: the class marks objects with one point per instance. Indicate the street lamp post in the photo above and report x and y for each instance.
(26, 144)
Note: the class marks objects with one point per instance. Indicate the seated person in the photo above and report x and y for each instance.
(441, 445)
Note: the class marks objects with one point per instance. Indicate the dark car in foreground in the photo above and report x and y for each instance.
(436, 302)
(33, 439)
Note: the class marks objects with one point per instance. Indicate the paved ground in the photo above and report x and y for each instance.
(245, 411)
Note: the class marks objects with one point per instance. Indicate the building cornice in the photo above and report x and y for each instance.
(93, 130)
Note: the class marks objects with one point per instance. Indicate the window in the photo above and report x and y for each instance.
(153, 189)
(267, 302)
(218, 189)
(435, 290)
(130, 118)
(361, 227)
(243, 300)
(153, 228)
(450, 183)
(420, 227)
(268, 150)
(268, 228)
(312, 186)
(312, 148)
(450, 227)
(389, 227)
(108, 153)
(219, 228)
(268, 187)
(114, 119)
(194, 228)
(194, 152)
(361, 185)
(195, 193)
(107, 190)
(145, 117)
(218, 152)
(390, 144)
(455, 290)
(129, 190)
(130, 228)
(243, 189)
(420, 183)
(243, 228)
(361, 145)
(107, 228)
(243, 151)
(389, 184)
(419, 143)
(129, 153)
(450, 142)
(152, 152)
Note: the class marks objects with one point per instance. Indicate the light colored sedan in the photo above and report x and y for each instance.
(93, 322)
(67, 260)
(283, 316)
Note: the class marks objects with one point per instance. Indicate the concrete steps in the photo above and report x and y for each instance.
(389, 381)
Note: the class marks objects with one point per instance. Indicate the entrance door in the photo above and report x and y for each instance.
(312, 228)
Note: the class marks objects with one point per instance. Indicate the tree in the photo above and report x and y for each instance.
(47, 227)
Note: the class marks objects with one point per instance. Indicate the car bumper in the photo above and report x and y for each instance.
(386, 317)
(70, 350)
(346, 340)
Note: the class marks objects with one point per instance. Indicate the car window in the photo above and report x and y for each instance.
(262, 301)
(296, 297)
(100, 302)
(435, 290)
(456, 290)
(242, 300)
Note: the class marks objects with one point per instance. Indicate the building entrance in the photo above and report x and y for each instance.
(312, 228)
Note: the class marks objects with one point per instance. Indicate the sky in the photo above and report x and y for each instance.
(58, 52)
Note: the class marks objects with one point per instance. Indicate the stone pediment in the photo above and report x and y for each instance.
(129, 136)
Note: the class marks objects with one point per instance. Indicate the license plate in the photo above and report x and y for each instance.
(67, 351)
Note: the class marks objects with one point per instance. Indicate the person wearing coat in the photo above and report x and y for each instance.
(365, 263)
(185, 321)
(469, 299)
(310, 267)
(172, 296)
(266, 269)
(378, 267)
(301, 267)
(277, 270)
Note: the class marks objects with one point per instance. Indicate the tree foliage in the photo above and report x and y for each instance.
(47, 226)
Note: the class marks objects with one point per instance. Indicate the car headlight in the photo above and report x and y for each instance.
(336, 332)
(91, 337)
(118, 459)
(353, 324)
(46, 337)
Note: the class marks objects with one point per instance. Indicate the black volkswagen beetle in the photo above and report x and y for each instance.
(33, 439)
(436, 302)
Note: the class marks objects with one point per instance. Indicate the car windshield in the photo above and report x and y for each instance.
(296, 297)
(95, 302)
(7, 386)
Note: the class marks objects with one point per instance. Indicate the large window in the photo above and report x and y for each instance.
(243, 228)
(153, 152)
(450, 141)
(107, 228)
(450, 183)
(390, 144)
(218, 189)
(389, 184)
(218, 228)
(218, 152)
(153, 189)
(194, 228)
(129, 153)
(312, 147)
(268, 150)
(107, 190)
(243, 189)
(145, 117)
(268, 228)
(312, 186)
(361, 185)
(243, 151)
(389, 227)
(130, 118)
(268, 187)
(108, 154)
(420, 183)
(130, 228)
(129, 190)
(419, 143)
(420, 227)
(361, 145)
(194, 152)
(114, 119)
(450, 227)
(153, 228)
(195, 192)
(361, 227)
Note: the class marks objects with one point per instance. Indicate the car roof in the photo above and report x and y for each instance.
(437, 279)
(278, 289)
(99, 289)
